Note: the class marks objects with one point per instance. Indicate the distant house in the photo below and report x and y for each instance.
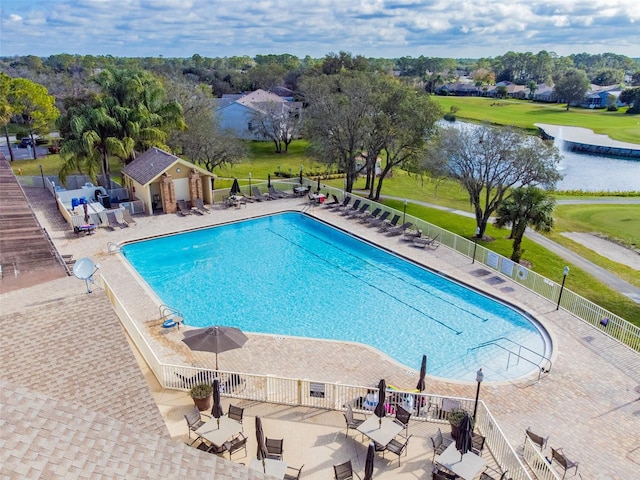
(599, 96)
(160, 179)
(544, 93)
(235, 112)
(513, 90)
(459, 89)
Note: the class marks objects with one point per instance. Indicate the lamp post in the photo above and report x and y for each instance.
(475, 245)
(249, 183)
(479, 378)
(564, 278)
(404, 212)
(42, 175)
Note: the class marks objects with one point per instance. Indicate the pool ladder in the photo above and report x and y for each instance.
(546, 368)
(170, 313)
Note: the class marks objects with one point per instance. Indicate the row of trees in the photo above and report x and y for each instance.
(67, 75)
(352, 119)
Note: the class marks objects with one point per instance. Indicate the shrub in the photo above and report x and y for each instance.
(201, 391)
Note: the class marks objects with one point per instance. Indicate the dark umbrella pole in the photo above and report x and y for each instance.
(421, 383)
(465, 436)
(368, 466)
(380, 411)
(269, 180)
(262, 446)
(216, 411)
(318, 185)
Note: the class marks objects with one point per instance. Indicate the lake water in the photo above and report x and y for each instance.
(594, 173)
(590, 173)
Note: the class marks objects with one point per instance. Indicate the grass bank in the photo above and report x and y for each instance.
(523, 114)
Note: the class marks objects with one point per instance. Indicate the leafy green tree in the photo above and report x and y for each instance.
(489, 161)
(533, 87)
(338, 119)
(6, 110)
(404, 120)
(202, 142)
(33, 103)
(136, 99)
(94, 135)
(631, 96)
(608, 76)
(571, 86)
(526, 207)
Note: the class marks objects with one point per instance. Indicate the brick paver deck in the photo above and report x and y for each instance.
(588, 404)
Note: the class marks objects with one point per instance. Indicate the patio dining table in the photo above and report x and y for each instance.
(274, 468)
(381, 431)
(217, 435)
(466, 466)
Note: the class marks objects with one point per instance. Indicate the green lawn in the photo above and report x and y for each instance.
(523, 114)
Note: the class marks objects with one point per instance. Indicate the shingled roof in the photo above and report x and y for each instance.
(153, 163)
(149, 165)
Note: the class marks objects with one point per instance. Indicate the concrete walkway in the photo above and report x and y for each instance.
(603, 275)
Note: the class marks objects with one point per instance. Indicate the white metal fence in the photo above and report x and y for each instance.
(316, 394)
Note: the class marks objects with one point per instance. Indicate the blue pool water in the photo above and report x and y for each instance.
(289, 274)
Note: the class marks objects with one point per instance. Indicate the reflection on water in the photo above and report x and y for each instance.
(593, 173)
(589, 173)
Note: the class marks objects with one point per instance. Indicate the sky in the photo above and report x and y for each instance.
(372, 28)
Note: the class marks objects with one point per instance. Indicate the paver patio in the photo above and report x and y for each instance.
(589, 404)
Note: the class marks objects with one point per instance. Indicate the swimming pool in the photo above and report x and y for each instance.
(289, 274)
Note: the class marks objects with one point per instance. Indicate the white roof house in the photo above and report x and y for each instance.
(235, 112)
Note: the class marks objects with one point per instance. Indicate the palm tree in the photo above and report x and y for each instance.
(94, 135)
(526, 207)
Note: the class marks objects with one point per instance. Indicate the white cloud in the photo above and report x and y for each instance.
(380, 28)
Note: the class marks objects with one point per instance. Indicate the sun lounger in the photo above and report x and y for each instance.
(353, 208)
(376, 222)
(387, 224)
(259, 197)
(114, 221)
(360, 211)
(126, 215)
(411, 235)
(424, 242)
(278, 193)
(200, 206)
(344, 203)
(399, 229)
(333, 203)
(366, 216)
(182, 207)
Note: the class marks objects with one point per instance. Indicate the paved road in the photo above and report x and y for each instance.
(605, 276)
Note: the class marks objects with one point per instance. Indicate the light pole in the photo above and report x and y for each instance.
(404, 212)
(475, 246)
(479, 378)
(249, 183)
(42, 175)
(564, 278)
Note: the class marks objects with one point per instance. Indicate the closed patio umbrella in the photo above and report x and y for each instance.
(216, 411)
(380, 411)
(86, 213)
(318, 185)
(268, 180)
(465, 435)
(235, 187)
(262, 446)
(421, 384)
(215, 339)
(368, 466)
